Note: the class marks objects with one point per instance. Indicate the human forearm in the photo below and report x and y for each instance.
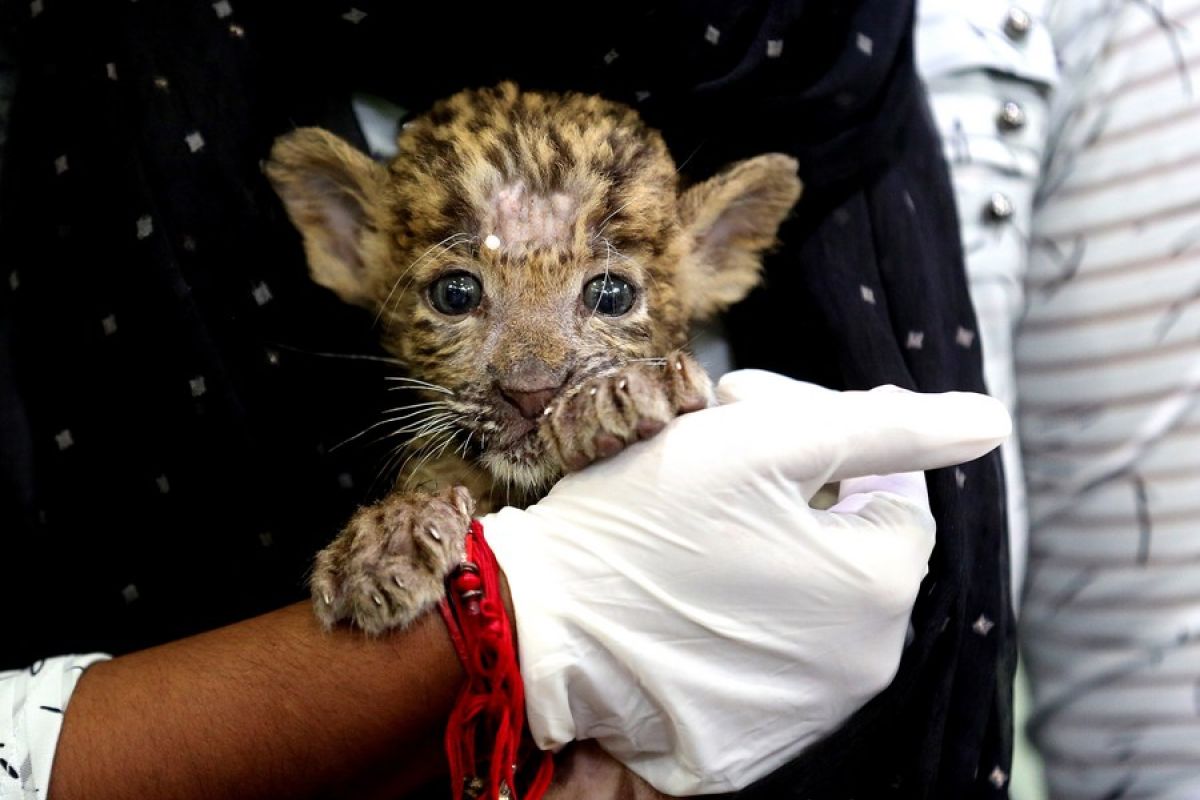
(269, 707)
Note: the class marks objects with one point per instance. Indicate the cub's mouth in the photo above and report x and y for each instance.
(513, 446)
(493, 433)
(518, 416)
(516, 439)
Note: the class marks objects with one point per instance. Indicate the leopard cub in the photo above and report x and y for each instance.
(535, 263)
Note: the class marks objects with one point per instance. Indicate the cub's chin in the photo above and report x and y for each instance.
(521, 463)
(520, 471)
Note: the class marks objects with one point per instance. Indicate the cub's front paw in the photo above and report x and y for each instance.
(605, 414)
(388, 564)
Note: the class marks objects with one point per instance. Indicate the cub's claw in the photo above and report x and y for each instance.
(387, 566)
(604, 415)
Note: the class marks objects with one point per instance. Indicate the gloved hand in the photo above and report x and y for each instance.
(682, 604)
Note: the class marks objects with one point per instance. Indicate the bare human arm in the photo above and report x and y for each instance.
(270, 707)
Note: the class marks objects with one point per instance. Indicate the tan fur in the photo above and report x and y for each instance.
(534, 195)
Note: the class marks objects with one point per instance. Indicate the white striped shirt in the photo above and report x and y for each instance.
(1107, 360)
(1099, 263)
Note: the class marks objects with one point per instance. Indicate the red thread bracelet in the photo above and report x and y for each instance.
(490, 710)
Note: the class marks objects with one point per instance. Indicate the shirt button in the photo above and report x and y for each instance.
(999, 208)
(1017, 24)
(1011, 116)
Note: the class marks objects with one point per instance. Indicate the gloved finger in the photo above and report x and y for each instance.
(887, 539)
(757, 384)
(910, 485)
(837, 435)
(900, 431)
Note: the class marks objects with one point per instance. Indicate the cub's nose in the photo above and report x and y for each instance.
(531, 403)
(530, 383)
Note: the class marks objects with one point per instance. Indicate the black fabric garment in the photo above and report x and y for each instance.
(168, 459)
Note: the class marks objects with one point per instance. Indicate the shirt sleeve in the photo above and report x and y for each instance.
(32, 702)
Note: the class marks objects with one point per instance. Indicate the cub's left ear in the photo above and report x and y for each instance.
(334, 194)
(729, 220)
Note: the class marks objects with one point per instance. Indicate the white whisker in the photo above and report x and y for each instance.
(607, 253)
(348, 356)
(418, 389)
(447, 443)
(604, 222)
(455, 240)
(416, 469)
(419, 383)
(629, 260)
(421, 427)
(418, 406)
(382, 422)
(440, 422)
(413, 454)
(691, 155)
(393, 454)
(465, 445)
(420, 453)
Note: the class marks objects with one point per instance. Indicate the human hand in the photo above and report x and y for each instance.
(683, 604)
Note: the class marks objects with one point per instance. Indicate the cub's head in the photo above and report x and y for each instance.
(520, 243)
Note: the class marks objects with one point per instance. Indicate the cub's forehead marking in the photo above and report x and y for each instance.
(518, 217)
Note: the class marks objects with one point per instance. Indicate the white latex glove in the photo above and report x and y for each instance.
(682, 604)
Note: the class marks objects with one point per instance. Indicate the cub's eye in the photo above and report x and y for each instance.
(608, 295)
(456, 293)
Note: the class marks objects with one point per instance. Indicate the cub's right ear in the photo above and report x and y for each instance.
(335, 196)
